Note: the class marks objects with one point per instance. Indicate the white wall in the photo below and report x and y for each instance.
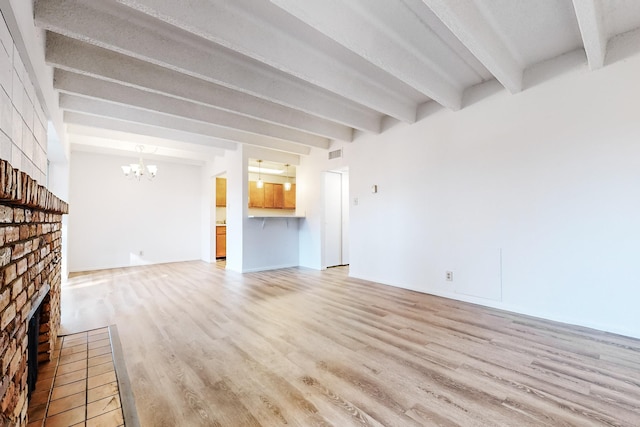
(112, 218)
(530, 199)
(268, 244)
(232, 164)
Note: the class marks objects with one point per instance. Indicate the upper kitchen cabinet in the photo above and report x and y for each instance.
(221, 192)
(271, 185)
(256, 195)
(290, 198)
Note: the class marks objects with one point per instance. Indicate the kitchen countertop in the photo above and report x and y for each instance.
(274, 216)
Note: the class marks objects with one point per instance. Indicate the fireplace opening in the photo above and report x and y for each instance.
(33, 333)
(33, 340)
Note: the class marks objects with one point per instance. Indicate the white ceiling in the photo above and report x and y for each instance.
(193, 81)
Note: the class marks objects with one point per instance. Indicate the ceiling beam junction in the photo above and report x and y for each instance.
(465, 20)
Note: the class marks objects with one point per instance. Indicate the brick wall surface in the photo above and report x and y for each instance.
(30, 250)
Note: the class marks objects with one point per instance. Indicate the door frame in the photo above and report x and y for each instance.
(343, 199)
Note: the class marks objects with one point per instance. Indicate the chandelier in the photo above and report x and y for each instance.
(137, 170)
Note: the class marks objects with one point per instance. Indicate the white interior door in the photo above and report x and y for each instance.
(336, 221)
(345, 218)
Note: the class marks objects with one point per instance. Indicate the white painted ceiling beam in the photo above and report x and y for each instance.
(70, 54)
(68, 82)
(102, 126)
(594, 38)
(83, 21)
(154, 149)
(107, 116)
(220, 20)
(79, 133)
(367, 29)
(466, 21)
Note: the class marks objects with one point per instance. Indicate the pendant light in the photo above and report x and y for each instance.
(137, 170)
(287, 184)
(260, 183)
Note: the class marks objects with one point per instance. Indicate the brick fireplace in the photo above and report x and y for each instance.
(30, 275)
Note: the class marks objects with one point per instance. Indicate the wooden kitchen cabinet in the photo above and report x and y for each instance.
(268, 195)
(271, 196)
(221, 241)
(290, 198)
(278, 196)
(221, 192)
(256, 195)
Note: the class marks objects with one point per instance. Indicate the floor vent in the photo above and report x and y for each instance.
(335, 154)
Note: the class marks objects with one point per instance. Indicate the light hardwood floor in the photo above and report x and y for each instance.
(208, 347)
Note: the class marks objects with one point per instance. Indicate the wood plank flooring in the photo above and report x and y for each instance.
(297, 347)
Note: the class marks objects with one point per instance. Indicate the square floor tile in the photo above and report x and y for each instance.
(98, 337)
(102, 379)
(100, 369)
(99, 360)
(100, 351)
(102, 391)
(100, 343)
(68, 389)
(110, 419)
(69, 378)
(66, 403)
(70, 367)
(73, 357)
(74, 343)
(69, 345)
(66, 419)
(73, 349)
(78, 388)
(102, 406)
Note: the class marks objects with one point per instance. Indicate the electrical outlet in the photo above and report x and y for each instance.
(355, 201)
(449, 276)
(141, 253)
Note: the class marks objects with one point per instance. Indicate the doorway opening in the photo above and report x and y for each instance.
(220, 235)
(336, 218)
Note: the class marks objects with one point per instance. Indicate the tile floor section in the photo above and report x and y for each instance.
(78, 386)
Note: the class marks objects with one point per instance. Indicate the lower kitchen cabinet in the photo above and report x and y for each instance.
(221, 242)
